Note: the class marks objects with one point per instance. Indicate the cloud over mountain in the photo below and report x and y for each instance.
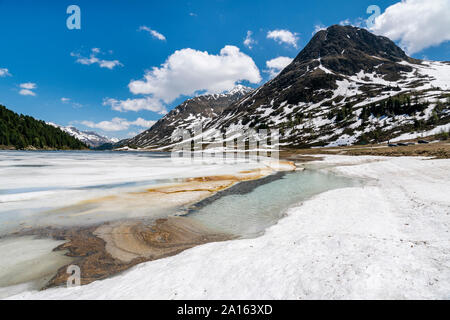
(417, 24)
(275, 65)
(283, 36)
(147, 103)
(118, 124)
(188, 71)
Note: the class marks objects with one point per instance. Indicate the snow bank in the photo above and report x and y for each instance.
(415, 135)
(388, 239)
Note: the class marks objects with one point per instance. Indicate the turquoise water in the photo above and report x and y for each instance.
(40, 189)
(250, 213)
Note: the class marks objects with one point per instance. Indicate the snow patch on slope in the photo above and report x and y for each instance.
(90, 138)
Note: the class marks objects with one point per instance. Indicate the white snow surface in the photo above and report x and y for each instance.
(415, 135)
(388, 239)
(34, 185)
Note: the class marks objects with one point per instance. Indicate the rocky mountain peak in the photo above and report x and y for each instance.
(338, 40)
(239, 89)
(348, 50)
(347, 86)
(90, 138)
(193, 111)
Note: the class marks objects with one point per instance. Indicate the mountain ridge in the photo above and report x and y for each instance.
(191, 112)
(347, 86)
(90, 138)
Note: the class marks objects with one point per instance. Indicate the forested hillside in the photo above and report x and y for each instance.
(22, 132)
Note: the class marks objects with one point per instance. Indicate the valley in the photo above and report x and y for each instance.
(346, 87)
(328, 178)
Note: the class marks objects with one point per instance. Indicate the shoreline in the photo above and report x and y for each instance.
(392, 242)
(434, 149)
(107, 249)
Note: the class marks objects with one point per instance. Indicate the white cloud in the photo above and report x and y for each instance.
(417, 24)
(248, 41)
(132, 134)
(192, 14)
(139, 104)
(4, 72)
(118, 124)
(154, 33)
(143, 123)
(74, 104)
(345, 22)
(28, 85)
(319, 27)
(275, 66)
(283, 36)
(358, 22)
(93, 59)
(27, 89)
(26, 92)
(188, 71)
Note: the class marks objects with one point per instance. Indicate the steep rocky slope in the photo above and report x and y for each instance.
(347, 86)
(201, 109)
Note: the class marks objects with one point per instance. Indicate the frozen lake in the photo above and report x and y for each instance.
(246, 211)
(69, 189)
(40, 189)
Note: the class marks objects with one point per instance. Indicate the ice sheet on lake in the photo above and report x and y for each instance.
(389, 240)
(34, 184)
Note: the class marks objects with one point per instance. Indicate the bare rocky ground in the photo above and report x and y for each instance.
(438, 150)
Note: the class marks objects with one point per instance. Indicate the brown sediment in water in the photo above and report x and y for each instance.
(192, 186)
(129, 241)
(110, 248)
(163, 198)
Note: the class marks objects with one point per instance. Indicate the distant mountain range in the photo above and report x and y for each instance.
(90, 138)
(201, 109)
(347, 86)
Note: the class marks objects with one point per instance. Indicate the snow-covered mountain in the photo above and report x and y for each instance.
(201, 109)
(347, 86)
(90, 138)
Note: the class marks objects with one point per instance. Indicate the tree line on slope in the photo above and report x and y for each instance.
(20, 132)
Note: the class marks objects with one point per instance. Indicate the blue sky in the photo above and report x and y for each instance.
(82, 77)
